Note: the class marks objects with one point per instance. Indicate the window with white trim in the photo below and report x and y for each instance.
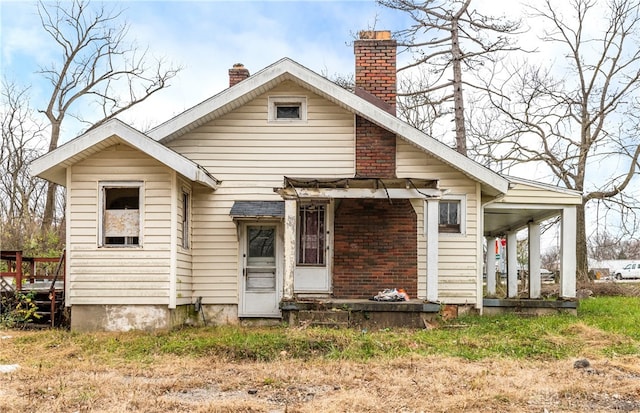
(287, 109)
(120, 214)
(452, 215)
(311, 234)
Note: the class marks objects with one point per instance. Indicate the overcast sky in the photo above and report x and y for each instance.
(205, 38)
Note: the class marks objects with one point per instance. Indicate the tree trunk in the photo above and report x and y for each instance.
(49, 207)
(582, 263)
(50, 202)
(458, 103)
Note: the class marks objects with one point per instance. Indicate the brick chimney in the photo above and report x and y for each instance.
(376, 65)
(375, 74)
(237, 74)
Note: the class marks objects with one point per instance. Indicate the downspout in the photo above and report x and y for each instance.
(173, 249)
(479, 258)
(68, 250)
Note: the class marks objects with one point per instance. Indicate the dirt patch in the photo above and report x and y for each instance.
(604, 288)
(612, 288)
(432, 384)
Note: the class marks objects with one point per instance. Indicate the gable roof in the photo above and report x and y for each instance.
(576, 195)
(287, 69)
(52, 166)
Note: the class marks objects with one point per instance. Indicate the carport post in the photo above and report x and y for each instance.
(534, 260)
(568, 253)
(512, 265)
(491, 265)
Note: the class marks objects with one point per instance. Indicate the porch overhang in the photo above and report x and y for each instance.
(525, 202)
(257, 209)
(376, 188)
(500, 219)
(526, 205)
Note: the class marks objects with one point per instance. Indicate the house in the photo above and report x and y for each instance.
(286, 189)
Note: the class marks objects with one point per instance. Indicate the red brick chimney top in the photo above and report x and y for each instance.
(237, 74)
(376, 65)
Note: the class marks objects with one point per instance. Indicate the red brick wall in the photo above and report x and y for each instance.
(375, 247)
(375, 151)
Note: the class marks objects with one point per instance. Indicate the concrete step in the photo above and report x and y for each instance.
(321, 318)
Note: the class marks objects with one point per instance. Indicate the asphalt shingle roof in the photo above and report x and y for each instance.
(257, 209)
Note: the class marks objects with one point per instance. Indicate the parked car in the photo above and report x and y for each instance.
(628, 271)
(546, 275)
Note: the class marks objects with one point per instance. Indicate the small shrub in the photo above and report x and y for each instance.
(17, 309)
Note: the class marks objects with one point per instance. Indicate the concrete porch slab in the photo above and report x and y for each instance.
(360, 313)
(411, 306)
(492, 306)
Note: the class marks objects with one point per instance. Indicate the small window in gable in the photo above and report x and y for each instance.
(120, 215)
(288, 111)
(287, 108)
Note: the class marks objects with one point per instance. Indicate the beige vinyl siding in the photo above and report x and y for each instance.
(184, 283)
(114, 275)
(521, 193)
(251, 156)
(457, 254)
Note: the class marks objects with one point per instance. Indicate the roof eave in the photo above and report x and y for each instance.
(52, 166)
(493, 183)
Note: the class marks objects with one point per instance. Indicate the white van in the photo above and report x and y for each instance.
(628, 271)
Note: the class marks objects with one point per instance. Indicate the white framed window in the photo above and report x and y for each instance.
(287, 109)
(312, 240)
(452, 214)
(120, 214)
(185, 221)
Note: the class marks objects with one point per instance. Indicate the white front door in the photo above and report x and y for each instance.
(313, 250)
(261, 271)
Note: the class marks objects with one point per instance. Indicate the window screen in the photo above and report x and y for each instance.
(311, 235)
(121, 219)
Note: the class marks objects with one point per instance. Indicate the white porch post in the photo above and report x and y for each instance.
(512, 265)
(568, 253)
(431, 230)
(290, 214)
(491, 265)
(534, 260)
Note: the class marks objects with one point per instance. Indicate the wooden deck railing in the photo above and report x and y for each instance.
(26, 270)
(26, 273)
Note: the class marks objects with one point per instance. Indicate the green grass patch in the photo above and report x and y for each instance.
(607, 326)
(613, 314)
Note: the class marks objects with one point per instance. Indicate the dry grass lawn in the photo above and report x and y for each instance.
(67, 379)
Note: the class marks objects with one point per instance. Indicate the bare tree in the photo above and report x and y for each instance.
(96, 68)
(580, 121)
(417, 108)
(447, 36)
(550, 259)
(605, 246)
(21, 143)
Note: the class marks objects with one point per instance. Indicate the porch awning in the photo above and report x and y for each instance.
(257, 209)
(370, 183)
(407, 188)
